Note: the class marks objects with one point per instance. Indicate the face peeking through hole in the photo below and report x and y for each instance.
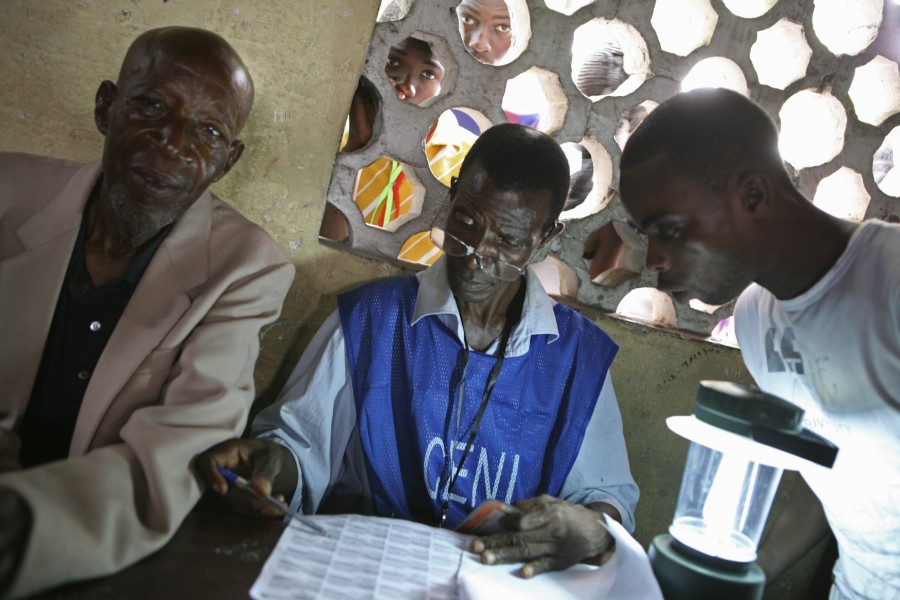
(484, 26)
(414, 71)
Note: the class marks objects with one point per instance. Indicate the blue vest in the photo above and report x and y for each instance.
(406, 384)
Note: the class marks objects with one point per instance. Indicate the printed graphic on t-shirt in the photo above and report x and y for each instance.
(782, 355)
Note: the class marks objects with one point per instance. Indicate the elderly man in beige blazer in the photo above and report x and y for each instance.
(178, 282)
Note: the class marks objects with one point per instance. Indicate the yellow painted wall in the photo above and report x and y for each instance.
(304, 56)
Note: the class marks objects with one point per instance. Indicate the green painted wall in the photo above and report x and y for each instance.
(304, 57)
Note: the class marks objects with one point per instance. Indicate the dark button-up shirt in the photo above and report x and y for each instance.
(85, 317)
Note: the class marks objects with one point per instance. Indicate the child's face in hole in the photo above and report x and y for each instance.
(413, 71)
(485, 29)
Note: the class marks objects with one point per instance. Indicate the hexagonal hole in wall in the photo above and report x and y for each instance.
(847, 27)
(334, 226)
(567, 7)
(363, 119)
(812, 128)
(613, 254)
(648, 305)
(749, 9)
(843, 194)
(494, 32)
(449, 139)
(419, 250)
(715, 72)
(420, 68)
(875, 90)
(885, 167)
(388, 194)
(536, 98)
(630, 119)
(701, 306)
(581, 176)
(682, 26)
(557, 277)
(609, 58)
(780, 54)
(393, 10)
(591, 171)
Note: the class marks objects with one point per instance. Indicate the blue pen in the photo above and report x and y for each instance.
(239, 482)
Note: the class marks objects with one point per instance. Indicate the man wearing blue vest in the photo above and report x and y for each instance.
(424, 395)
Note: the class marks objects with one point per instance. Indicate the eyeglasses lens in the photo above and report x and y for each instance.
(453, 246)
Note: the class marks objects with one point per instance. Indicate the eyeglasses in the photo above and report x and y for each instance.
(454, 246)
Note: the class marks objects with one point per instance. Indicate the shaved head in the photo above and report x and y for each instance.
(189, 45)
(707, 134)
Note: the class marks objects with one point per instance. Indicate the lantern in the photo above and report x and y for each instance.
(741, 442)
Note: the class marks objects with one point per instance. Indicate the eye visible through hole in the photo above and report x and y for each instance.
(415, 72)
(494, 32)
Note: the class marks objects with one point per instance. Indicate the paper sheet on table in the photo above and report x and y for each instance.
(626, 576)
(364, 557)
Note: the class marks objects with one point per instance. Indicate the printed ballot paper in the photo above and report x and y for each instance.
(376, 557)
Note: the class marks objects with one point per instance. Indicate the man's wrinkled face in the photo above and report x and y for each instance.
(170, 127)
(484, 26)
(693, 242)
(506, 225)
(414, 72)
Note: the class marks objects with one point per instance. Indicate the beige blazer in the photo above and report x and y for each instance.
(175, 378)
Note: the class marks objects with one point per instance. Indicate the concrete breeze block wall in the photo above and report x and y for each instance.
(869, 31)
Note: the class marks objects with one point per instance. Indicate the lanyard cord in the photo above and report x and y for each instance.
(511, 317)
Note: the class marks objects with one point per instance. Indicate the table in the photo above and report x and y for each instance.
(216, 553)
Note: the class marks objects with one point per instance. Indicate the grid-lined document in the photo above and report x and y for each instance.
(363, 557)
(375, 557)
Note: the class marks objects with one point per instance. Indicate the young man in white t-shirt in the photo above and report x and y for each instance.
(818, 325)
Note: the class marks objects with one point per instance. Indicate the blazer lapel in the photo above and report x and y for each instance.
(161, 298)
(32, 281)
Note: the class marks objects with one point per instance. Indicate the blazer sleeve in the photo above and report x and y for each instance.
(96, 513)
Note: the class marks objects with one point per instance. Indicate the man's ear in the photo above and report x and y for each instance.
(557, 229)
(237, 148)
(754, 192)
(103, 100)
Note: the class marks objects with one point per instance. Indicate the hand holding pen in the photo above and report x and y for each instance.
(272, 468)
(240, 482)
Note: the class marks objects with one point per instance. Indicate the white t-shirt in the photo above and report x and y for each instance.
(835, 351)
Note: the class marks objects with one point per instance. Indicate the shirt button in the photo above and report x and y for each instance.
(95, 326)
(82, 375)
